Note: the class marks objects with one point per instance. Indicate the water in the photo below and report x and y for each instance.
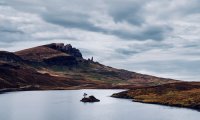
(65, 105)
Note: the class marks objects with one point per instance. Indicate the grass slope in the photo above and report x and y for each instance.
(183, 94)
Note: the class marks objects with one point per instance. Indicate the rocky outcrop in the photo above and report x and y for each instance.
(90, 99)
(61, 60)
(66, 49)
(123, 95)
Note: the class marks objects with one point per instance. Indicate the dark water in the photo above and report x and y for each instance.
(65, 105)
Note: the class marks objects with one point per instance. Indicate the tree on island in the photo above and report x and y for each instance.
(84, 95)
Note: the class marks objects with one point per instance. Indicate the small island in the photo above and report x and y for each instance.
(89, 99)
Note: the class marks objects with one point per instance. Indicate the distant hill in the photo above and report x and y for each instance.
(181, 94)
(59, 66)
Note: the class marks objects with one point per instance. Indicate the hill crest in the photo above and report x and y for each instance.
(63, 63)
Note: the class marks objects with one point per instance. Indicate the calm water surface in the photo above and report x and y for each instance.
(65, 105)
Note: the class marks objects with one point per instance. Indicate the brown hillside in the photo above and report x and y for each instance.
(182, 94)
(16, 76)
(58, 65)
(39, 53)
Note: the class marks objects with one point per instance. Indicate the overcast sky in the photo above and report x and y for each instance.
(157, 37)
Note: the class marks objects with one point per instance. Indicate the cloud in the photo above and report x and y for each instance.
(129, 11)
(179, 69)
(76, 20)
(150, 36)
(121, 14)
(133, 49)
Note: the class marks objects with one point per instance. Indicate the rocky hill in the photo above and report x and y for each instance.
(68, 49)
(59, 66)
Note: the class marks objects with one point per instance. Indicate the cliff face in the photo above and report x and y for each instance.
(59, 66)
(62, 60)
(66, 49)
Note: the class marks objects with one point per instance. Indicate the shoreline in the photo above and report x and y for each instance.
(6, 90)
(167, 105)
(124, 95)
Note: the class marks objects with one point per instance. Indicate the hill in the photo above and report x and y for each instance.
(181, 94)
(59, 66)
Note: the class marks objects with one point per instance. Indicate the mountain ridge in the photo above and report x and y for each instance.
(59, 66)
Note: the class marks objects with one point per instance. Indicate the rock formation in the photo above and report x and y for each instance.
(62, 60)
(66, 48)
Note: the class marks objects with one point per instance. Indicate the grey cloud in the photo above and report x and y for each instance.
(2, 3)
(130, 11)
(81, 22)
(193, 45)
(180, 68)
(120, 11)
(157, 33)
(72, 20)
(8, 37)
(192, 7)
(10, 33)
(127, 52)
(135, 49)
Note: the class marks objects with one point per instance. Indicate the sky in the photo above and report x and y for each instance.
(156, 37)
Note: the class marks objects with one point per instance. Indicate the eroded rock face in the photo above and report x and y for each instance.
(62, 60)
(66, 48)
